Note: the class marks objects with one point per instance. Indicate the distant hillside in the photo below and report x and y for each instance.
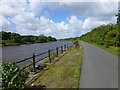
(106, 35)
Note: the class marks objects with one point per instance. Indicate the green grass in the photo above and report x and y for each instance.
(111, 49)
(42, 63)
(9, 43)
(65, 73)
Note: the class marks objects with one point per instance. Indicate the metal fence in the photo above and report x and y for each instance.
(49, 54)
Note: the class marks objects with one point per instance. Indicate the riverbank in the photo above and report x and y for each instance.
(65, 73)
(9, 39)
(10, 43)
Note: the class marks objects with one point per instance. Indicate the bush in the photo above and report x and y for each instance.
(11, 76)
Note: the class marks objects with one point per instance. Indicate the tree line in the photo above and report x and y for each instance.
(9, 38)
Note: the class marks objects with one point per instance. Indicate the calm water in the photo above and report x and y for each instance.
(17, 53)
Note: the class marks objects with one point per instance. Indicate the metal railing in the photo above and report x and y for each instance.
(50, 53)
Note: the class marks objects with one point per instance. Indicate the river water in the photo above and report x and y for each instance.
(17, 53)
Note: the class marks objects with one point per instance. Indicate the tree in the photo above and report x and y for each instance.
(42, 38)
(6, 35)
(54, 39)
(49, 38)
(15, 37)
(28, 39)
(9, 38)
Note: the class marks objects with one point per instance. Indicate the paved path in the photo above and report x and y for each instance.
(99, 68)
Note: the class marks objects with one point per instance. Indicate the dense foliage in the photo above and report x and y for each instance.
(104, 35)
(71, 39)
(9, 38)
(11, 78)
(118, 18)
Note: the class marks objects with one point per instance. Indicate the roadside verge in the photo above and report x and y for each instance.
(65, 73)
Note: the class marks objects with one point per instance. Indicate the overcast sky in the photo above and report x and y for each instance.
(57, 19)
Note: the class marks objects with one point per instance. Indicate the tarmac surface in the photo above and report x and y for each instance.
(99, 68)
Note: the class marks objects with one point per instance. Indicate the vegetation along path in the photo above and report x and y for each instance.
(99, 68)
(65, 73)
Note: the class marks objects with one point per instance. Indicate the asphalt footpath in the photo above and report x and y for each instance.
(99, 68)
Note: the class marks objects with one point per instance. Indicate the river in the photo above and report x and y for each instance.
(17, 53)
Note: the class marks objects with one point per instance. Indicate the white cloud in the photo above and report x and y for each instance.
(47, 26)
(92, 9)
(23, 15)
(4, 23)
(10, 8)
(91, 22)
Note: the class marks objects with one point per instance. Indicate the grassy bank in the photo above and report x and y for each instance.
(111, 49)
(105, 36)
(65, 73)
(10, 39)
(9, 43)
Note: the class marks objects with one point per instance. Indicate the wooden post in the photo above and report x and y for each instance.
(34, 69)
(49, 60)
(57, 52)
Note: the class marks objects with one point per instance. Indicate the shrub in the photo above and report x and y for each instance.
(11, 76)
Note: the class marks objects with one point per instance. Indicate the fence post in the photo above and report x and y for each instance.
(61, 49)
(67, 46)
(64, 47)
(49, 60)
(57, 52)
(34, 69)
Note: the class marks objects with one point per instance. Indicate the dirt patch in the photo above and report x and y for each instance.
(67, 82)
(53, 85)
(77, 54)
(67, 54)
(66, 78)
(71, 63)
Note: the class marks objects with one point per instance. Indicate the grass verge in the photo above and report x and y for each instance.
(111, 49)
(65, 73)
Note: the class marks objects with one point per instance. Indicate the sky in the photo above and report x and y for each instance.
(59, 19)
